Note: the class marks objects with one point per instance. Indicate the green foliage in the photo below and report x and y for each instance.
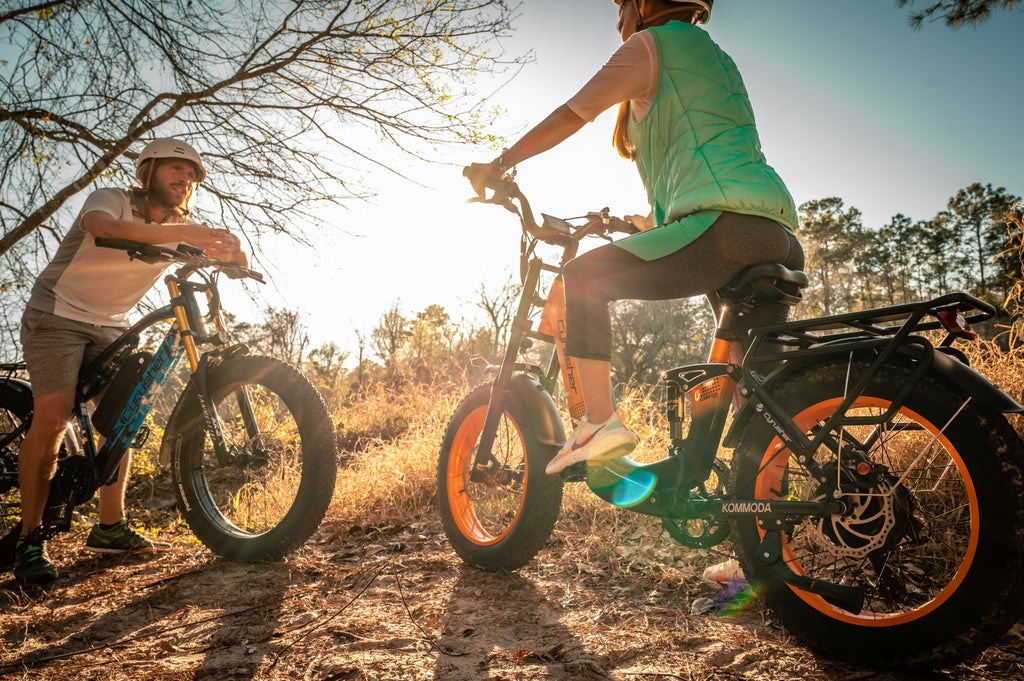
(978, 218)
(830, 234)
(649, 337)
(966, 247)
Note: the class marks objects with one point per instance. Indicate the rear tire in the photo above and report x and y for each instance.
(936, 539)
(15, 416)
(502, 523)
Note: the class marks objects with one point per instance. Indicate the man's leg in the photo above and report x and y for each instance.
(112, 495)
(36, 463)
(38, 455)
(112, 533)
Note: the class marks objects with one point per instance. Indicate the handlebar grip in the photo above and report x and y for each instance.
(188, 249)
(121, 244)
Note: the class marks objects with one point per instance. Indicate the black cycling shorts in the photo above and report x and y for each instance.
(609, 273)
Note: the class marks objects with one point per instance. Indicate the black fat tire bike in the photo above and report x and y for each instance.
(874, 495)
(250, 442)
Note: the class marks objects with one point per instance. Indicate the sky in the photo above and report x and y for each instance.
(850, 101)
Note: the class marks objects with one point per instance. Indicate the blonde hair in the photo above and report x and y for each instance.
(620, 137)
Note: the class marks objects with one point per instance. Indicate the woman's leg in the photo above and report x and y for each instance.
(609, 273)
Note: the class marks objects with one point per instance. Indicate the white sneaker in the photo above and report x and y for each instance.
(594, 442)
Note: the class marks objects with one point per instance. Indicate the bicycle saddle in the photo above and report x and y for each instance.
(764, 283)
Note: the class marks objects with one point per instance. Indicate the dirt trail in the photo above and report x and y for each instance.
(393, 604)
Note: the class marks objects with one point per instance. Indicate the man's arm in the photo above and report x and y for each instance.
(216, 243)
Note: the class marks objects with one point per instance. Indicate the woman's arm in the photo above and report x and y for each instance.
(560, 124)
(630, 74)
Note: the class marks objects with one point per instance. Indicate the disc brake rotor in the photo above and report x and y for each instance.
(865, 528)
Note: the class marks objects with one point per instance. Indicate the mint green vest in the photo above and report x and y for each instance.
(697, 148)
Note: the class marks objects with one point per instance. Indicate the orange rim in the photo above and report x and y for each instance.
(499, 505)
(774, 465)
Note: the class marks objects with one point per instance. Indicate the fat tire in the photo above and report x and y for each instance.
(185, 439)
(536, 503)
(987, 601)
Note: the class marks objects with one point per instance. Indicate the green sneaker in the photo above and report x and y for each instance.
(120, 538)
(32, 562)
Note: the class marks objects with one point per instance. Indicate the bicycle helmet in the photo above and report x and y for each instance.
(706, 4)
(166, 148)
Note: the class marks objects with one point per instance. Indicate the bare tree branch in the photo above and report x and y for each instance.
(956, 13)
(287, 102)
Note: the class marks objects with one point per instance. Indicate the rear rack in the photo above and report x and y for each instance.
(10, 370)
(894, 320)
(885, 330)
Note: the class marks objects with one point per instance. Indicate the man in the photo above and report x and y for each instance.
(78, 306)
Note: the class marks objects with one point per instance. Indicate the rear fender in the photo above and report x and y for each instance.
(23, 389)
(967, 379)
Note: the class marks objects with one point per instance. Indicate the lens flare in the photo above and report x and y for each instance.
(621, 482)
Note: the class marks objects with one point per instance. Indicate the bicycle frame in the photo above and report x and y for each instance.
(711, 386)
(790, 487)
(188, 329)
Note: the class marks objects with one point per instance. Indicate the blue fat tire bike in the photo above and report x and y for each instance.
(250, 442)
(874, 494)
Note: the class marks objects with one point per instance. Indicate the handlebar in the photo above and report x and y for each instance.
(552, 230)
(193, 258)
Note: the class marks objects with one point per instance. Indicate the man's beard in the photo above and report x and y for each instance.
(166, 198)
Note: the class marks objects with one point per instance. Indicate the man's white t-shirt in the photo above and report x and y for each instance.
(90, 284)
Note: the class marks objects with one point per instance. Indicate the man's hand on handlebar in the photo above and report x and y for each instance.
(192, 256)
(219, 244)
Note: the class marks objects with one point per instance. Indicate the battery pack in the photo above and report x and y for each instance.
(119, 390)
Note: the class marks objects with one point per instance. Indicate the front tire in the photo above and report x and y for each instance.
(273, 492)
(501, 522)
(934, 533)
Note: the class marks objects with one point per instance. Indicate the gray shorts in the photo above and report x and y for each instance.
(55, 349)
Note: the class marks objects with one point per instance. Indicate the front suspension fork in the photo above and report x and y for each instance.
(500, 388)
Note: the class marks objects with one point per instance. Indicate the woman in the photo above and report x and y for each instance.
(716, 205)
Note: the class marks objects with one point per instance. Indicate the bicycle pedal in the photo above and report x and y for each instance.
(576, 472)
(140, 437)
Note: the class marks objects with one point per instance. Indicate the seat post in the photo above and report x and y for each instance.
(727, 322)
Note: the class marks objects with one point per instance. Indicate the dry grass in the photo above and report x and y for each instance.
(390, 441)
(391, 481)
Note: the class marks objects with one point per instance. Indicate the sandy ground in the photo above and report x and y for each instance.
(395, 603)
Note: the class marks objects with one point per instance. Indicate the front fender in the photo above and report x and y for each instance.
(543, 413)
(185, 414)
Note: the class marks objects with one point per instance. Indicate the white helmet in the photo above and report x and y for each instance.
(706, 4)
(168, 148)
(702, 18)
